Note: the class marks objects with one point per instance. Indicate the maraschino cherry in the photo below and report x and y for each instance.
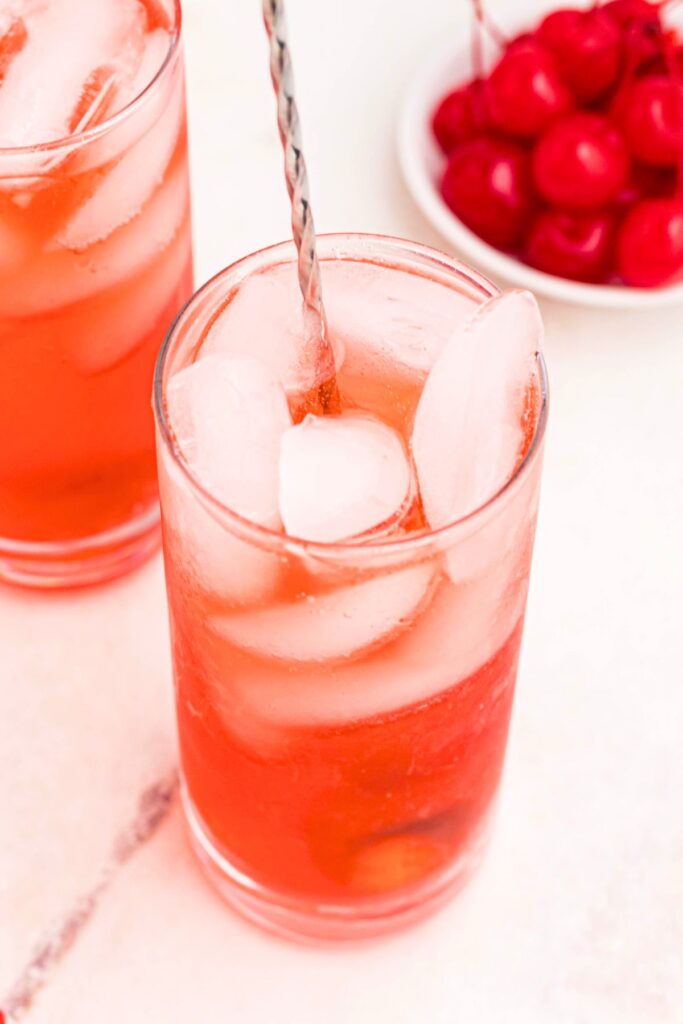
(650, 114)
(641, 28)
(581, 162)
(524, 91)
(630, 12)
(650, 244)
(587, 47)
(487, 184)
(569, 154)
(573, 245)
(461, 115)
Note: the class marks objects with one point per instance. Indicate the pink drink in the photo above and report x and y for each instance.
(343, 704)
(95, 261)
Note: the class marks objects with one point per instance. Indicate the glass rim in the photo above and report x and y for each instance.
(114, 120)
(269, 538)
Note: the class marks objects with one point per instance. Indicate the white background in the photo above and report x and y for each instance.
(577, 915)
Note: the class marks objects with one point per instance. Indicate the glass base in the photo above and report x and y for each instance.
(307, 921)
(79, 563)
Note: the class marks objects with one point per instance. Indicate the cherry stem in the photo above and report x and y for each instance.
(483, 23)
(477, 41)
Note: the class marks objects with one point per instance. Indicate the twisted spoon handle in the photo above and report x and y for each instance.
(303, 228)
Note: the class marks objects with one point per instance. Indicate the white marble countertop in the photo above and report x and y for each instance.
(577, 915)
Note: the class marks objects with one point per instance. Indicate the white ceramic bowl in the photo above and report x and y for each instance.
(422, 163)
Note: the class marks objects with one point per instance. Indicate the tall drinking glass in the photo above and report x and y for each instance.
(342, 707)
(95, 261)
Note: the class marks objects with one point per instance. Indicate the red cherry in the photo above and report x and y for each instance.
(524, 91)
(487, 184)
(580, 162)
(650, 114)
(641, 27)
(460, 115)
(574, 245)
(523, 39)
(586, 46)
(650, 244)
(632, 12)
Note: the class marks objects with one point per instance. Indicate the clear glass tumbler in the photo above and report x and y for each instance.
(342, 708)
(95, 261)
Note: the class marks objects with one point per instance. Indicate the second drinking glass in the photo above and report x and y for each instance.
(95, 261)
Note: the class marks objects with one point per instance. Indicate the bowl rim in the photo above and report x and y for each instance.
(424, 88)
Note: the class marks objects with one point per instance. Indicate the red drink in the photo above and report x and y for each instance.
(343, 705)
(95, 261)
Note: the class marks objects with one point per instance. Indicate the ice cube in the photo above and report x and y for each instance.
(159, 14)
(13, 36)
(340, 476)
(59, 277)
(131, 249)
(387, 321)
(14, 246)
(228, 414)
(107, 88)
(241, 326)
(98, 343)
(210, 555)
(112, 145)
(495, 537)
(156, 47)
(215, 559)
(394, 318)
(334, 624)
(454, 631)
(97, 99)
(43, 85)
(468, 432)
(124, 190)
